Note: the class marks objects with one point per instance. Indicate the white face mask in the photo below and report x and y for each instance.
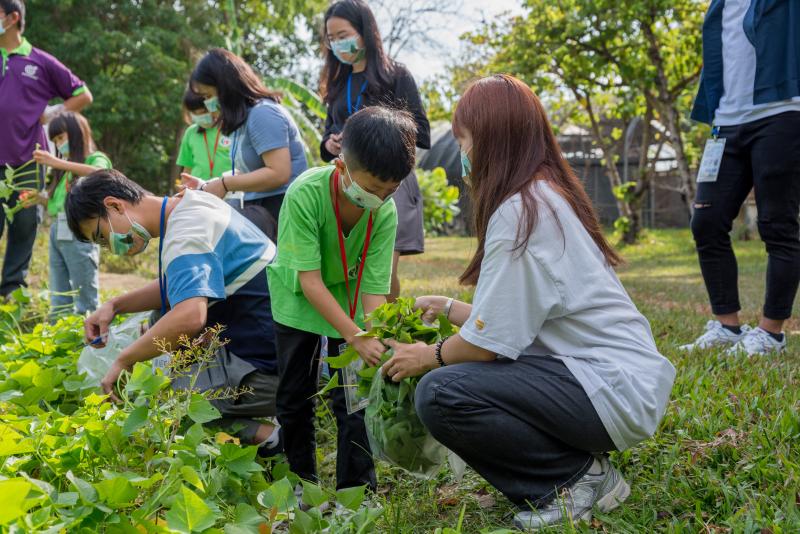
(356, 194)
(2, 25)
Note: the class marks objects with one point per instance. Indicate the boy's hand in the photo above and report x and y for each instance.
(96, 325)
(369, 348)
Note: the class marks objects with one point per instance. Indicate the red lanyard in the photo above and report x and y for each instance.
(211, 157)
(352, 303)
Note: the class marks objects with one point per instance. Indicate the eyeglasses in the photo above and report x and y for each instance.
(331, 38)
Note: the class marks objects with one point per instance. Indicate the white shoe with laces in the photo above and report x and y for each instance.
(716, 335)
(602, 487)
(758, 342)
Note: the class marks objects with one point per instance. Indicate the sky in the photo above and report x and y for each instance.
(429, 61)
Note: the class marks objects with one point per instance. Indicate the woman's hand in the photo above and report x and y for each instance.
(408, 360)
(369, 348)
(43, 157)
(431, 306)
(334, 144)
(214, 186)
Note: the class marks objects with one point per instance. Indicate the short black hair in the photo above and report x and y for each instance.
(85, 197)
(15, 6)
(192, 101)
(380, 141)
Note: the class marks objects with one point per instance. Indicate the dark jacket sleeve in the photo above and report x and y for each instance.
(323, 152)
(407, 95)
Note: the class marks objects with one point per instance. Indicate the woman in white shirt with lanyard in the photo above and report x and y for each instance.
(553, 366)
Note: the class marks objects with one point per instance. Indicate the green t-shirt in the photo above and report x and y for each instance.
(308, 240)
(56, 202)
(196, 151)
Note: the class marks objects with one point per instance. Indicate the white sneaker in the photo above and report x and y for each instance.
(606, 490)
(757, 342)
(716, 335)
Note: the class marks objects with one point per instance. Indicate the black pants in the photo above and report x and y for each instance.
(526, 426)
(21, 237)
(763, 155)
(298, 364)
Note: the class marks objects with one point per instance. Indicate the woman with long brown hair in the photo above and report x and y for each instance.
(553, 366)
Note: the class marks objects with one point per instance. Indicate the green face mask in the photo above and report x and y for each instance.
(64, 148)
(121, 244)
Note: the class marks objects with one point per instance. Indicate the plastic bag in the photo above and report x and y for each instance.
(96, 362)
(395, 431)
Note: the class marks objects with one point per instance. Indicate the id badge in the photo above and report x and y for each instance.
(712, 159)
(63, 233)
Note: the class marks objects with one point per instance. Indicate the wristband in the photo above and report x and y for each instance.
(438, 353)
(203, 186)
(223, 184)
(446, 310)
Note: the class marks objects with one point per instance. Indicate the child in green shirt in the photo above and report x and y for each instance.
(335, 240)
(205, 152)
(73, 264)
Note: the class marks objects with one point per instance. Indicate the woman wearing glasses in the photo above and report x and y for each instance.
(358, 73)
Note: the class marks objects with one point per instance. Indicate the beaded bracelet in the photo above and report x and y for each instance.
(439, 346)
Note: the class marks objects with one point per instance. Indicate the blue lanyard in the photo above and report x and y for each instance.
(350, 109)
(162, 278)
(233, 152)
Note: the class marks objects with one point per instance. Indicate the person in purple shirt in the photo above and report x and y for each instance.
(29, 79)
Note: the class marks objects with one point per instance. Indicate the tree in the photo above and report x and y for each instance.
(617, 61)
(409, 22)
(136, 57)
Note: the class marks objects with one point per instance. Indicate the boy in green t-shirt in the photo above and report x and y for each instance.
(325, 211)
(205, 152)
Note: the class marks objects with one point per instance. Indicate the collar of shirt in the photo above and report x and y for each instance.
(24, 49)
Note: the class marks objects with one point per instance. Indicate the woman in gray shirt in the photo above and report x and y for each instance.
(554, 366)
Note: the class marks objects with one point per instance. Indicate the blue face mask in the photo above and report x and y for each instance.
(121, 244)
(466, 165)
(2, 25)
(64, 148)
(203, 121)
(347, 46)
(212, 104)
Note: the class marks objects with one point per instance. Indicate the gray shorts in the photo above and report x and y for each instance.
(239, 414)
(410, 233)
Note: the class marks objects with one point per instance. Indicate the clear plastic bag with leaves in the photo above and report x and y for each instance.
(396, 433)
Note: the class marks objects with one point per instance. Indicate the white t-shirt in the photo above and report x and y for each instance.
(739, 73)
(559, 297)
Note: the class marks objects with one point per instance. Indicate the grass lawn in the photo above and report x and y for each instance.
(727, 456)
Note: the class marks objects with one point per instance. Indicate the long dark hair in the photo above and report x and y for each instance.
(239, 88)
(513, 145)
(380, 67)
(79, 136)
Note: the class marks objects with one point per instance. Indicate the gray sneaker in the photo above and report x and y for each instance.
(606, 490)
(716, 335)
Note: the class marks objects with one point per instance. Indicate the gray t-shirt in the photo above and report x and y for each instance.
(268, 127)
(559, 297)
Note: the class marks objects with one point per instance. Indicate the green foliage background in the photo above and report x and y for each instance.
(136, 57)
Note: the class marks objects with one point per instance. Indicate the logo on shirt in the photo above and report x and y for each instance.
(225, 141)
(479, 324)
(30, 71)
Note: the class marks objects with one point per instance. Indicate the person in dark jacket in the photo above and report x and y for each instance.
(358, 73)
(750, 94)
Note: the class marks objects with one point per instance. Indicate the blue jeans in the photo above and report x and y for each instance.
(74, 278)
